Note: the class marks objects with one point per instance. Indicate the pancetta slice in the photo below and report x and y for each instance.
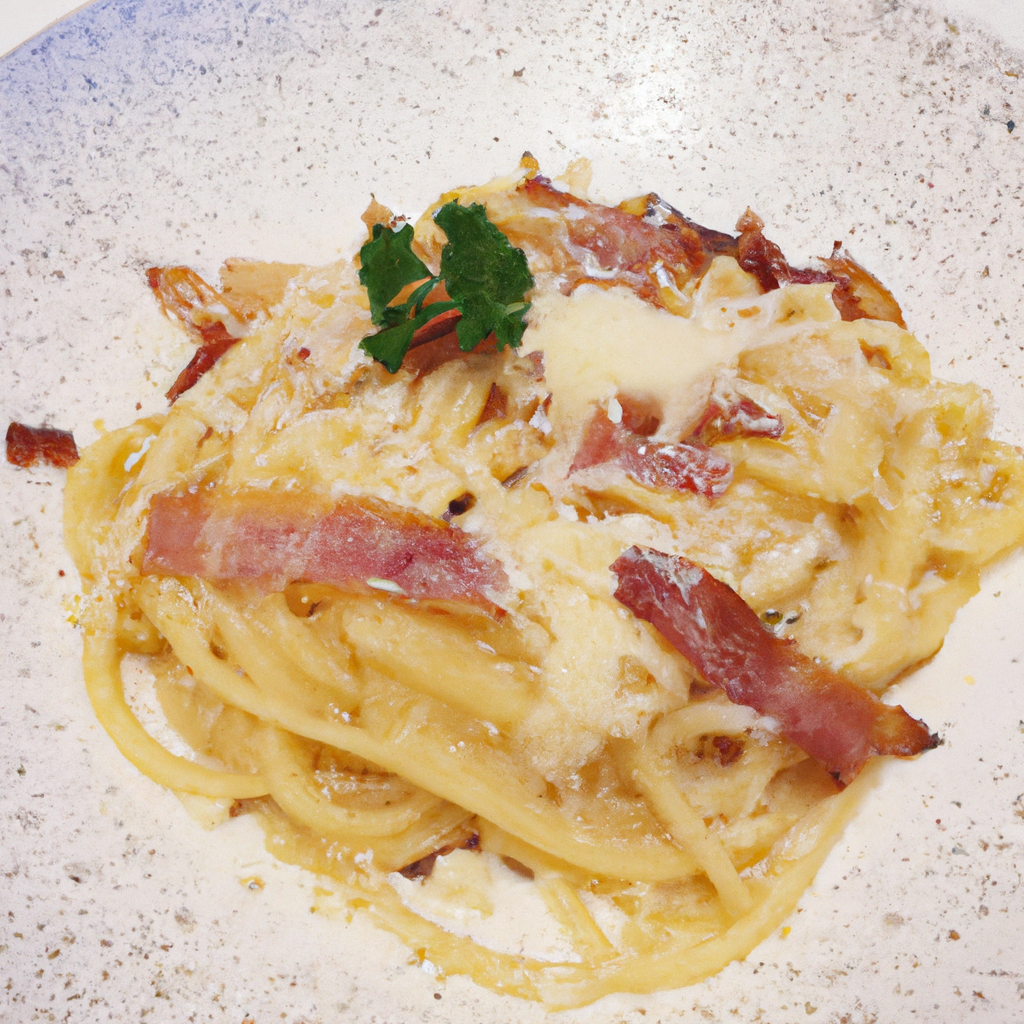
(682, 466)
(607, 245)
(357, 544)
(647, 245)
(833, 720)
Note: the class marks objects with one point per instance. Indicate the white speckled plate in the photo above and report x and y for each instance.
(166, 131)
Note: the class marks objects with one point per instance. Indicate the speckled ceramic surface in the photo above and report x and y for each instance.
(167, 131)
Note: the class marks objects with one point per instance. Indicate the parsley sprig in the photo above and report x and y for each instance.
(485, 276)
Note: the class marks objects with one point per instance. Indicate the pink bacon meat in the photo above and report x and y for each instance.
(356, 544)
(684, 466)
(830, 718)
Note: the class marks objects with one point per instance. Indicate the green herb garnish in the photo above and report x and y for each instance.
(485, 276)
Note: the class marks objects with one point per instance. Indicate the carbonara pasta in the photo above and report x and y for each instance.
(380, 607)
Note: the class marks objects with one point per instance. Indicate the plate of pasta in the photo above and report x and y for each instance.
(497, 591)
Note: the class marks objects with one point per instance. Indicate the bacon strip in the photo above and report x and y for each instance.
(607, 245)
(654, 210)
(684, 466)
(763, 258)
(30, 446)
(647, 245)
(358, 544)
(830, 718)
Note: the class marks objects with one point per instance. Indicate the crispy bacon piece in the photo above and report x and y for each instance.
(204, 359)
(648, 246)
(356, 544)
(763, 258)
(856, 293)
(608, 245)
(730, 414)
(684, 466)
(30, 446)
(496, 406)
(185, 296)
(654, 210)
(830, 718)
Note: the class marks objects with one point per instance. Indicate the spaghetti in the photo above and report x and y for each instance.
(379, 607)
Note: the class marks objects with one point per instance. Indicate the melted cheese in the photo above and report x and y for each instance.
(601, 342)
(598, 343)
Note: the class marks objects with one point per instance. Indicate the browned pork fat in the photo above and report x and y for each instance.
(608, 245)
(730, 414)
(856, 293)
